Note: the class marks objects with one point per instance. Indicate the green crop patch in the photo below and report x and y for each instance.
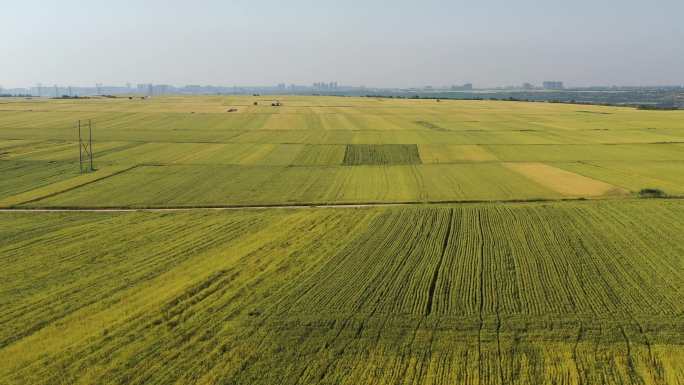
(381, 154)
(20, 176)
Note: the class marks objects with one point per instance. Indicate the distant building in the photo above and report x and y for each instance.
(465, 87)
(325, 86)
(549, 85)
(193, 88)
(527, 86)
(162, 89)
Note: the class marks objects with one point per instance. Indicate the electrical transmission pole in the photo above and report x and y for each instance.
(80, 148)
(90, 143)
(85, 147)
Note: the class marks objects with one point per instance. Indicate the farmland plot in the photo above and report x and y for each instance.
(387, 154)
(22, 176)
(581, 292)
(591, 152)
(162, 186)
(400, 150)
(437, 153)
(634, 176)
(454, 294)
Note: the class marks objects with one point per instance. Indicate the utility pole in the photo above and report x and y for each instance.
(80, 148)
(56, 91)
(90, 143)
(85, 148)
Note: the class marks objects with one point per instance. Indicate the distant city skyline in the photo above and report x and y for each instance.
(408, 44)
(465, 91)
(152, 88)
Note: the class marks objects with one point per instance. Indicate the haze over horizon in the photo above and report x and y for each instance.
(406, 44)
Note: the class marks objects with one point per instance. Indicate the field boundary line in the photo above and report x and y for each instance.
(17, 208)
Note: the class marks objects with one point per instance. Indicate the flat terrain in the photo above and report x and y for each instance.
(472, 294)
(520, 254)
(177, 151)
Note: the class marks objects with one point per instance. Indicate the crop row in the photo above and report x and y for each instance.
(488, 294)
(386, 154)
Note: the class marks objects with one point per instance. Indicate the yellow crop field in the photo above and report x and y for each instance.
(564, 182)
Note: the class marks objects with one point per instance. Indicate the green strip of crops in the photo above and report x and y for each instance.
(381, 154)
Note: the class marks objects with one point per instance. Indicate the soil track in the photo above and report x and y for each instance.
(307, 205)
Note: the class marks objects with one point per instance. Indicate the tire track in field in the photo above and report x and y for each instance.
(631, 367)
(435, 275)
(575, 357)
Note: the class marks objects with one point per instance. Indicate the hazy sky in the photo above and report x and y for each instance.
(372, 43)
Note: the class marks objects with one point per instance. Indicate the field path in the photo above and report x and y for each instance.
(305, 206)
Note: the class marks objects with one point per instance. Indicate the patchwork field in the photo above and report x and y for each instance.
(521, 253)
(314, 150)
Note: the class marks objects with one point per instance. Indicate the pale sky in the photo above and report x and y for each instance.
(384, 44)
